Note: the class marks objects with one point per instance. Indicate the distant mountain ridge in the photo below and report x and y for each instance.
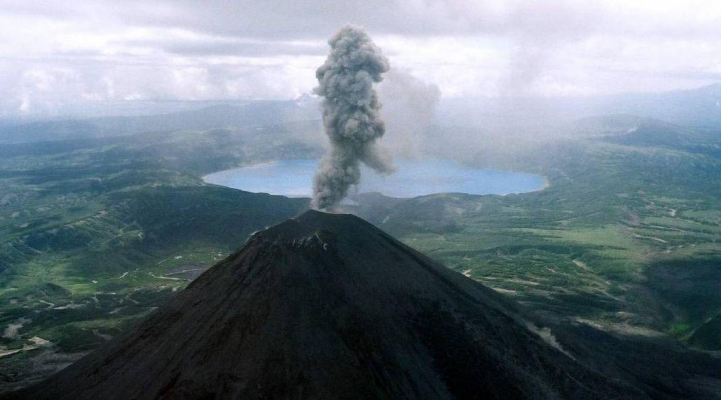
(217, 116)
(699, 108)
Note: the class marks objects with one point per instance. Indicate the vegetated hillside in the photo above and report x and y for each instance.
(96, 233)
(328, 306)
(691, 287)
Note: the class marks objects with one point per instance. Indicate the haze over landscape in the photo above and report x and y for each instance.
(437, 199)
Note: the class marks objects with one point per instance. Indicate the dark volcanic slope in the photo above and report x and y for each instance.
(329, 307)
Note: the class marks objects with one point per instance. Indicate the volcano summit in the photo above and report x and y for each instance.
(329, 307)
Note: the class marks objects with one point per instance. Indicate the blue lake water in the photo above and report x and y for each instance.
(294, 178)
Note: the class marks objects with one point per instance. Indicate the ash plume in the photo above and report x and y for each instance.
(409, 109)
(351, 116)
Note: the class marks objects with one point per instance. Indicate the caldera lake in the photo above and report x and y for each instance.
(293, 178)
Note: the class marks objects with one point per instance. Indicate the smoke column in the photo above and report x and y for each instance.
(350, 115)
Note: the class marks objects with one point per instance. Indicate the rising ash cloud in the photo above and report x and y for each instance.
(351, 115)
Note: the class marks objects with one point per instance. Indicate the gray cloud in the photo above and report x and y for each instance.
(316, 19)
(282, 19)
(231, 47)
(199, 49)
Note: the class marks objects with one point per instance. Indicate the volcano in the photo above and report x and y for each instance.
(327, 306)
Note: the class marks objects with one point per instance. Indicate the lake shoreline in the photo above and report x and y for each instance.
(293, 178)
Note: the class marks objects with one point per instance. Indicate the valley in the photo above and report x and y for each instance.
(96, 233)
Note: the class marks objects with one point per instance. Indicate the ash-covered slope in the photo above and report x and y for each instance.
(330, 307)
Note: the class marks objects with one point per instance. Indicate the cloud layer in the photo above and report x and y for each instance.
(57, 57)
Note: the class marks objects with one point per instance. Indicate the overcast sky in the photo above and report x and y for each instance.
(56, 54)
